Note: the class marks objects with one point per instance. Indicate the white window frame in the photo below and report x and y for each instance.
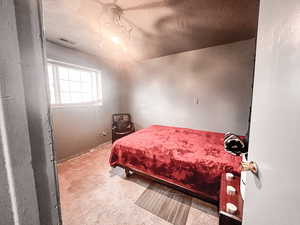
(57, 91)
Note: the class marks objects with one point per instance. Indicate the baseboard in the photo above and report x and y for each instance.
(81, 153)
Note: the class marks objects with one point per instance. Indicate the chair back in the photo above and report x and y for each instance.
(121, 122)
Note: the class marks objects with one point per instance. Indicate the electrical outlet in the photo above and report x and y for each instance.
(196, 100)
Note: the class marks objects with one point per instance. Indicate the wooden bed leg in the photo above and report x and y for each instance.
(127, 172)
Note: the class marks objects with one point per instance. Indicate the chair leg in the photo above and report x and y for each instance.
(127, 172)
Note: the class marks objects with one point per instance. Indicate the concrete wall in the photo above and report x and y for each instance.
(164, 90)
(78, 129)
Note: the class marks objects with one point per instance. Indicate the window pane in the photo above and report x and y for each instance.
(86, 97)
(64, 85)
(85, 87)
(94, 85)
(51, 84)
(77, 98)
(74, 85)
(52, 95)
(65, 97)
(85, 76)
(50, 74)
(63, 73)
(74, 75)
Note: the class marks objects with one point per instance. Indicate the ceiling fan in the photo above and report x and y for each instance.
(115, 14)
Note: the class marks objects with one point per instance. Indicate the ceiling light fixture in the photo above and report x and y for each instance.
(116, 40)
(112, 16)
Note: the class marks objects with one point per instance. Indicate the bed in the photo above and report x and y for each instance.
(190, 160)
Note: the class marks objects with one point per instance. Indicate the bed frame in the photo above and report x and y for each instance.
(129, 172)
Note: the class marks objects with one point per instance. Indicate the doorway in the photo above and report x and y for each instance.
(80, 43)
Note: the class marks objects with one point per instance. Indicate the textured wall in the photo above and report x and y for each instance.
(272, 196)
(163, 90)
(160, 27)
(18, 196)
(77, 129)
(31, 42)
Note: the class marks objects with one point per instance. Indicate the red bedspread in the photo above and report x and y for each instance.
(189, 158)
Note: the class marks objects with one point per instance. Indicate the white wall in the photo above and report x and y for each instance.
(163, 90)
(78, 129)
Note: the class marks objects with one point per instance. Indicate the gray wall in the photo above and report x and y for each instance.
(272, 196)
(31, 42)
(163, 90)
(19, 197)
(78, 129)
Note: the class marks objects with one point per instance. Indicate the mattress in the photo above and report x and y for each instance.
(191, 159)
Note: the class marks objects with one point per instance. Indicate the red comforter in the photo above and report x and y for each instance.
(192, 159)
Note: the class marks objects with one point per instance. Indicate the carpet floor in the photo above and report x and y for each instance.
(93, 193)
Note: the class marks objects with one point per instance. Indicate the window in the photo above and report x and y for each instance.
(73, 85)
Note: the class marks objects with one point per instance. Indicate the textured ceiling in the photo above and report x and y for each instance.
(157, 27)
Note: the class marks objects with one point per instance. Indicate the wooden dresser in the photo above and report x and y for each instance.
(236, 199)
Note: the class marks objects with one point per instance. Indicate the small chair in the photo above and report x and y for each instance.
(121, 126)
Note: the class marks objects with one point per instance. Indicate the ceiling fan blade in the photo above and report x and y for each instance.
(147, 6)
(99, 2)
(136, 27)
